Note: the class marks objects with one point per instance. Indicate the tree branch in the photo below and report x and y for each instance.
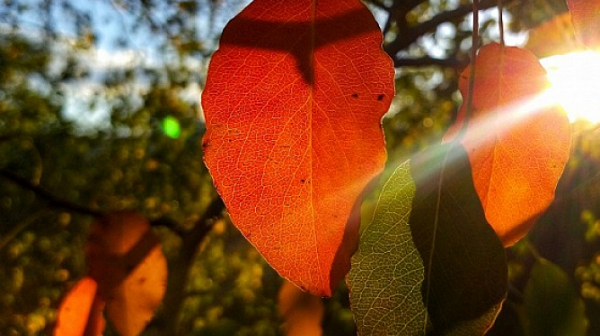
(179, 268)
(379, 4)
(409, 35)
(430, 61)
(202, 227)
(47, 196)
(170, 224)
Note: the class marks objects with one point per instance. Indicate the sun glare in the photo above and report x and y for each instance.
(575, 80)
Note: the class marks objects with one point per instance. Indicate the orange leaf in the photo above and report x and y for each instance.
(517, 142)
(301, 311)
(293, 104)
(80, 313)
(126, 260)
(586, 20)
(553, 37)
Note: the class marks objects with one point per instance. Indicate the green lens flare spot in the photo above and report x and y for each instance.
(171, 128)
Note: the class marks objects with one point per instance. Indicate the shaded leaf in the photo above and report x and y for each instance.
(451, 277)
(126, 260)
(301, 311)
(518, 142)
(293, 104)
(552, 305)
(585, 14)
(387, 272)
(80, 312)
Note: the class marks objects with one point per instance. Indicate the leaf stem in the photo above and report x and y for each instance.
(474, 45)
(534, 251)
(501, 22)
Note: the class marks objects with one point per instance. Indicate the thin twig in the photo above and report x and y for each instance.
(474, 45)
(430, 61)
(170, 224)
(534, 251)
(47, 196)
(411, 34)
(501, 21)
(22, 225)
(379, 5)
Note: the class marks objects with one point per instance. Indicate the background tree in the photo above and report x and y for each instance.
(99, 111)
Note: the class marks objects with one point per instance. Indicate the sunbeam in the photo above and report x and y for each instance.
(575, 80)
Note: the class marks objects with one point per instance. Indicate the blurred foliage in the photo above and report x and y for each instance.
(99, 105)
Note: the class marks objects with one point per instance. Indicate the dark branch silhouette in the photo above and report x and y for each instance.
(429, 61)
(180, 267)
(408, 35)
(297, 38)
(47, 196)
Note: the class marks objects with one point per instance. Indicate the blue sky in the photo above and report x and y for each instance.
(110, 21)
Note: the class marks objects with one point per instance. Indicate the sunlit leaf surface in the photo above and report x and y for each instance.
(518, 140)
(293, 104)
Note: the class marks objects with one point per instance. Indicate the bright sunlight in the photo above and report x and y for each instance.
(575, 80)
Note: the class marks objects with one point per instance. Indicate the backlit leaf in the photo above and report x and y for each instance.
(552, 305)
(553, 37)
(293, 104)
(518, 140)
(428, 263)
(586, 20)
(126, 260)
(78, 314)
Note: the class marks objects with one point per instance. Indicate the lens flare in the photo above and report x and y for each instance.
(575, 80)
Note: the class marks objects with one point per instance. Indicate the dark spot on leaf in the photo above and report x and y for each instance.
(302, 180)
(380, 97)
(141, 280)
(206, 144)
(355, 95)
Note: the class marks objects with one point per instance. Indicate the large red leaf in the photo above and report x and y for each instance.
(293, 104)
(586, 20)
(126, 260)
(517, 142)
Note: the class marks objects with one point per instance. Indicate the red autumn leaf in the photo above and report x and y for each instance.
(293, 104)
(586, 20)
(126, 260)
(518, 143)
(78, 313)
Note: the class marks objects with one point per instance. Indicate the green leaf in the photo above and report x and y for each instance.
(396, 287)
(387, 272)
(552, 306)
